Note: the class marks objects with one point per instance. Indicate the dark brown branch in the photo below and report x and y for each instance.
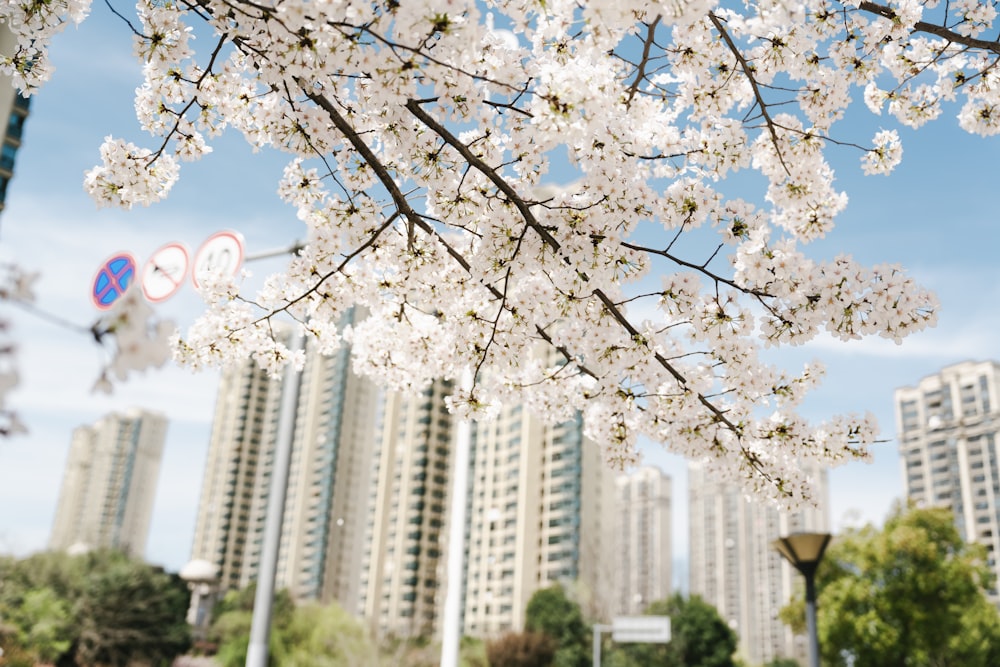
(697, 267)
(748, 72)
(933, 29)
(640, 73)
(407, 211)
(529, 218)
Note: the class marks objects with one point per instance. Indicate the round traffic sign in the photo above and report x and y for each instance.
(220, 255)
(112, 279)
(164, 273)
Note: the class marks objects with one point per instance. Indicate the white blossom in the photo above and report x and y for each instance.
(426, 147)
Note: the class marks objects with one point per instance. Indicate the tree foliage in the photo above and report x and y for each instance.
(551, 612)
(309, 635)
(698, 638)
(232, 618)
(483, 178)
(99, 608)
(910, 593)
(783, 662)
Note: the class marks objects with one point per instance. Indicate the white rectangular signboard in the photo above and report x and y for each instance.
(641, 629)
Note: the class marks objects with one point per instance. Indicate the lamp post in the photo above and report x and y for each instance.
(202, 579)
(805, 551)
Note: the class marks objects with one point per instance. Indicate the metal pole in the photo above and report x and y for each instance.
(811, 618)
(260, 624)
(290, 250)
(598, 629)
(452, 631)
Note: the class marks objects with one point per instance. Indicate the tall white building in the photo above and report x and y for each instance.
(323, 533)
(947, 428)
(540, 511)
(642, 539)
(408, 524)
(734, 567)
(323, 526)
(109, 485)
(236, 481)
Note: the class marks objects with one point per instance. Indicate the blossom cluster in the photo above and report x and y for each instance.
(539, 194)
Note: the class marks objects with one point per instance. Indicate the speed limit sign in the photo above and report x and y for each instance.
(220, 255)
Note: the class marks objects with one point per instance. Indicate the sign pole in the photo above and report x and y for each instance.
(598, 629)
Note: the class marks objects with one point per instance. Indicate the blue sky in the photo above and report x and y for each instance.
(936, 215)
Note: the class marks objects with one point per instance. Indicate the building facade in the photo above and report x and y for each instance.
(408, 515)
(109, 484)
(644, 568)
(948, 430)
(236, 481)
(734, 567)
(325, 508)
(540, 511)
(323, 532)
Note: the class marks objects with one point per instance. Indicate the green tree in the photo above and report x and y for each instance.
(99, 608)
(310, 635)
(325, 636)
(698, 638)
(232, 617)
(909, 594)
(552, 612)
(45, 623)
(783, 662)
(131, 612)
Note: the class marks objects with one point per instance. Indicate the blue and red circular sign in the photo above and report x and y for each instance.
(112, 280)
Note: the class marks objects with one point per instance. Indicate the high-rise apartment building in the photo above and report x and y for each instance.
(408, 525)
(109, 485)
(734, 567)
(323, 525)
(323, 533)
(948, 430)
(236, 481)
(540, 511)
(642, 538)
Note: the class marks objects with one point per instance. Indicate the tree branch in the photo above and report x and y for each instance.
(933, 29)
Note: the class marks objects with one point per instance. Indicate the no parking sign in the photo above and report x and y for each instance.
(112, 279)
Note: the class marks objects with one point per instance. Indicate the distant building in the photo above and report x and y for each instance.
(235, 486)
(948, 429)
(734, 567)
(323, 533)
(642, 539)
(408, 524)
(368, 502)
(540, 511)
(13, 108)
(108, 488)
(323, 527)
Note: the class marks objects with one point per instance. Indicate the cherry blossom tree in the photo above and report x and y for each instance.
(489, 179)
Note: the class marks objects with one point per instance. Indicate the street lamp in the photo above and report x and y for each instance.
(805, 551)
(202, 579)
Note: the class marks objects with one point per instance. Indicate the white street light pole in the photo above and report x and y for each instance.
(260, 624)
(452, 631)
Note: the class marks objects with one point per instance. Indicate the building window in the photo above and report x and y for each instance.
(7, 154)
